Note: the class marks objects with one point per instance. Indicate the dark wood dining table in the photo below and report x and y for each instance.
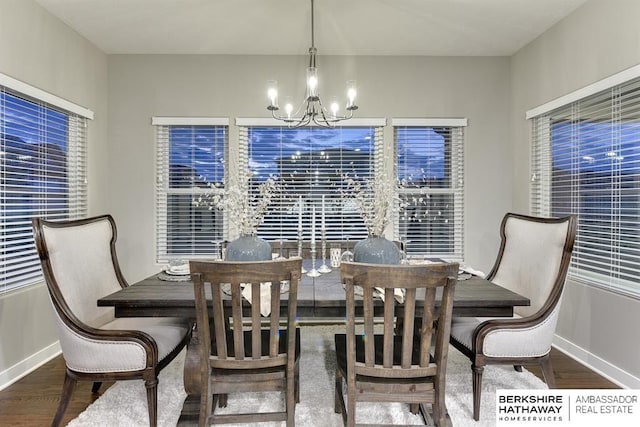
(321, 298)
(318, 298)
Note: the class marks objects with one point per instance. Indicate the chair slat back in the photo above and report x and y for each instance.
(419, 285)
(231, 313)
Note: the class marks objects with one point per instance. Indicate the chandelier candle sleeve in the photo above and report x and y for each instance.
(352, 93)
(312, 84)
(288, 107)
(272, 93)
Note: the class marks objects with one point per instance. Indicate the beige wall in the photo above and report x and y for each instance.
(597, 40)
(142, 86)
(43, 52)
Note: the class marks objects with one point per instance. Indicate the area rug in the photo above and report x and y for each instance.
(124, 403)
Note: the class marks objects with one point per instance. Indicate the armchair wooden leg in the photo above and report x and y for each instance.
(67, 391)
(96, 386)
(547, 372)
(152, 400)
(477, 390)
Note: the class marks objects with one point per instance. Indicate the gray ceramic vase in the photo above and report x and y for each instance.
(376, 250)
(248, 248)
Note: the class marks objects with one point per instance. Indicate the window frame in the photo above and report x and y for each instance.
(163, 126)
(376, 125)
(455, 128)
(238, 157)
(612, 94)
(25, 270)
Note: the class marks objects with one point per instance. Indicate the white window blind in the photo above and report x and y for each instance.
(586, 161)
(429, 167)
(190, 160)
(311, 163)
(44, 174)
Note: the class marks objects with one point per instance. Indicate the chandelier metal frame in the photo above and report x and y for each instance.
(312, 111)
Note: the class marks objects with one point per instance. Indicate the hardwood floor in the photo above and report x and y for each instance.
(33, 400)
(571, 374)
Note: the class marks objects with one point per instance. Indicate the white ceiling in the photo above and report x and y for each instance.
(342, 27)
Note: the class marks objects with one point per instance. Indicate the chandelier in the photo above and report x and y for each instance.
(311, 111)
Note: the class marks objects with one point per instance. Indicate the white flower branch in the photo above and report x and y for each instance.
(245, 206)
(377, 200)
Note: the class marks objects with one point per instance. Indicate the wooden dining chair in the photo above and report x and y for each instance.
(79, 263)
(389, 367)
(533, 260)
(241, 349)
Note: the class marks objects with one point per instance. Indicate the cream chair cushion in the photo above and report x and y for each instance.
(526, 342)
(84, 354)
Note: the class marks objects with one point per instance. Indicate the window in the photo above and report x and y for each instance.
(311, 163)
(586, 161)
(191, 156)
(43, 169)
(429, 167)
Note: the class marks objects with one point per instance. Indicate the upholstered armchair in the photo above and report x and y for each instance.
(533, 261)
(79, 264)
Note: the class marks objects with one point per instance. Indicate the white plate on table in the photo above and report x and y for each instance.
(176, 273)
(174, 277)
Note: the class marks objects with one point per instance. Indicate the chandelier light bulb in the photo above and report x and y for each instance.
(313, 83)
(334, 109)
(273, 94)
(288, 108)
(352, 95)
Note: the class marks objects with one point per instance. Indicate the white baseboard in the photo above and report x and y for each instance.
(597, 364)
(28, 365)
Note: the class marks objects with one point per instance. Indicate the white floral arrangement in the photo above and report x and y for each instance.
(246, 207)
(377, 200)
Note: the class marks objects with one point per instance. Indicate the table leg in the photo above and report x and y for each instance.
(191, 406)
(192, 385)
(192, 367)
